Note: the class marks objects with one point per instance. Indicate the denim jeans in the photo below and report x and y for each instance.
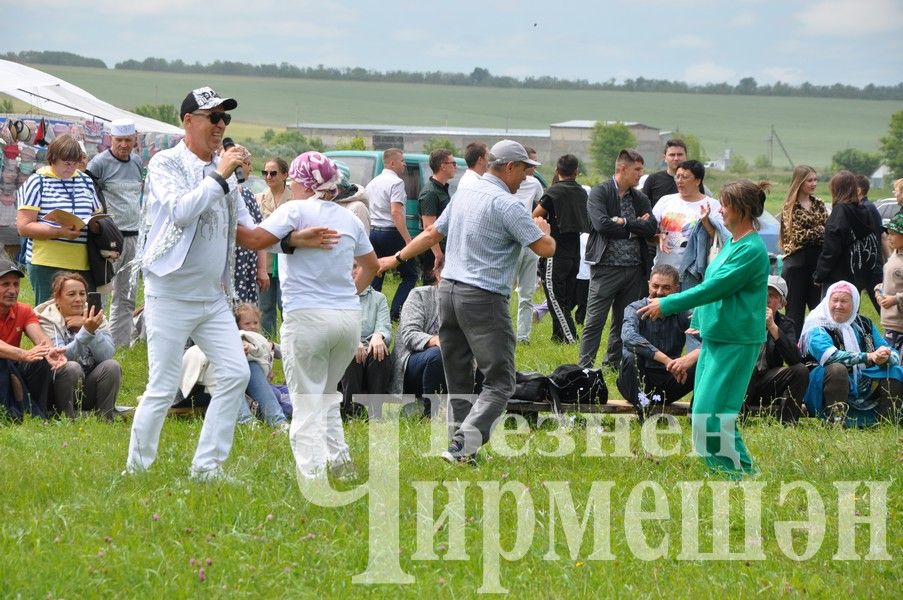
(386, 242)
(260, 390)
(122, 301)
(423, 375)
(525, 284)
(269, 301)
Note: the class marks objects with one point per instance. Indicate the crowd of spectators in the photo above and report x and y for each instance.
(694, 304)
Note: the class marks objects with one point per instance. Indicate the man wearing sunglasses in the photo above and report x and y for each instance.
(186, 255)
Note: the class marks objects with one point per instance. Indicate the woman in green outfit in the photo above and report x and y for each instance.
(730, 316)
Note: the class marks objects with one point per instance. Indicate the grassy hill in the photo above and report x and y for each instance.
(812, 128)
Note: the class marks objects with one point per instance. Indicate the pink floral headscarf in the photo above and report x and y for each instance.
(315, 171)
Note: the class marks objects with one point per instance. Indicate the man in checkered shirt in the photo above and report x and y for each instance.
(486, 227)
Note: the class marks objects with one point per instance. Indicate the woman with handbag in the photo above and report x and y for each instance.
(54, 247)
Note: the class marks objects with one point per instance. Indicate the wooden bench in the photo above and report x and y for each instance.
(613, 406)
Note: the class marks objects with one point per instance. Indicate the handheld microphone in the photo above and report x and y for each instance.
(239, 173)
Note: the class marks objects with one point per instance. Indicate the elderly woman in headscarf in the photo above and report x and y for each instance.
(856, 365)
(321, 325)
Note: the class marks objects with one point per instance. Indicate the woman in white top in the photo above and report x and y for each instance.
(678, 214)
(321, 311)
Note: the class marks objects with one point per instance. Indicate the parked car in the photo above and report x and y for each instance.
(367, 164)
(888, 209)
(769, 227)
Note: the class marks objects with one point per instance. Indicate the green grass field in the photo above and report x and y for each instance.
(72, 527)
(813, 129)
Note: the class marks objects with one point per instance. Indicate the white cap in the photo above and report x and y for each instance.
(779, 285)
(122, 127)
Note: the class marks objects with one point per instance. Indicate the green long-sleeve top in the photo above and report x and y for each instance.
(730, 302)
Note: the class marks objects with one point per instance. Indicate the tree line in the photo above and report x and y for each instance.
(49, 57)
(480, 76)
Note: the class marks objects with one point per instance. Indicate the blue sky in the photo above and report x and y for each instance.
(821, 41)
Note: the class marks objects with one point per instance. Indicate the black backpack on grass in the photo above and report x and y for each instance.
(531, 387)
(572, 384)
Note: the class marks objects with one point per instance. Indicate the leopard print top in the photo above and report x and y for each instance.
(803, 227)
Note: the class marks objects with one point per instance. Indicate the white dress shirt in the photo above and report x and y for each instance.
(382, 191)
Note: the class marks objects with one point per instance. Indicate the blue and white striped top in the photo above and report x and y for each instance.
(43, 192)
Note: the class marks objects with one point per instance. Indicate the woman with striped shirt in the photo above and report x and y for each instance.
(51, 247)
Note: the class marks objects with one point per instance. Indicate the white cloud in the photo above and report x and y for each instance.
(686, 42)
(708, 72)
(744, 19)
(851, 18)
(412, 36)
(791, 75)
(444, 51)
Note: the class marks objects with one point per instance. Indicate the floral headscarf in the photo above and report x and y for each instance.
(315, 171)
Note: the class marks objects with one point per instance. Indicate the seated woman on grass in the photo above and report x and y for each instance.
(857, 370)
(417, 355)
(90, 379)
(370, 370)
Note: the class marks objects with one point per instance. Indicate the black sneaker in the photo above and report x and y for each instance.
(454, 456)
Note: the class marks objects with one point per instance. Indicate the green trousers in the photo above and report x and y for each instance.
(722, 376)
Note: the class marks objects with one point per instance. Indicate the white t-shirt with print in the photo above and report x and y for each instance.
(676, 218)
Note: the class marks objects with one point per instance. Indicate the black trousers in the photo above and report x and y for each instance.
(370, 377)
(801, 290)
(559, 281)
(637, 375)
(581, 297)
(782, 387)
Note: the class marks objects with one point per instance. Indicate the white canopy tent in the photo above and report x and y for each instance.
(54, 95)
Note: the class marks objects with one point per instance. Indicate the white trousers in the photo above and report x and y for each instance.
(211, 325)
(525, 284)
(317, 345)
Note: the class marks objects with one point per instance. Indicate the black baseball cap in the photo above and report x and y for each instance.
(7, 266)
(205, 98)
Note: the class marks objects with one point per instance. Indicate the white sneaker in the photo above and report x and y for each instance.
(216, 475)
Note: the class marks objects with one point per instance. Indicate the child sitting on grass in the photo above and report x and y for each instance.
(260, 352)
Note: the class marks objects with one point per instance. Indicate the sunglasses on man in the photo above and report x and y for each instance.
(216, 117)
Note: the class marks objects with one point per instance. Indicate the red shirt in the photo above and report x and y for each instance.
(12, 327)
